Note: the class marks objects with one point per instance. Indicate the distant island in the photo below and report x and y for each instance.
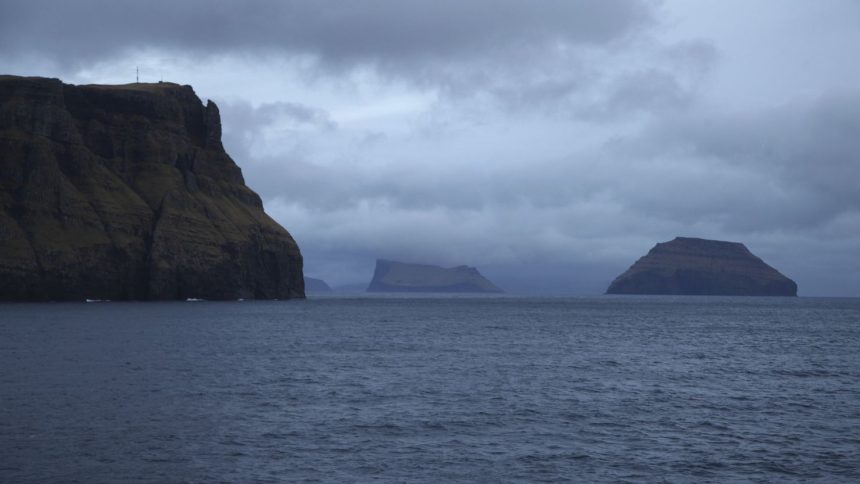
(692, 266)
(126, 192)
(316, 286)
(391, 276)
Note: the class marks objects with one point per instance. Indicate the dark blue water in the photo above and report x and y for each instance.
(432, 389)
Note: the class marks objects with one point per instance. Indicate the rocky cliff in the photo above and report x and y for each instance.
(125, 192)
(690, 266)
(391, 276)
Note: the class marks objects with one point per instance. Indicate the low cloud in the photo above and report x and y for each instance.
(404, 32)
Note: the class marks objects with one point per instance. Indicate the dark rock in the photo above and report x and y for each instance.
(690, 266)
(317, 286)
(393, 276)
(125, 192)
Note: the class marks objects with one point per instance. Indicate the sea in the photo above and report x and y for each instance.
(432, 389)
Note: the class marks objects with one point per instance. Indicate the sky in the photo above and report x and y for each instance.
(550, 143)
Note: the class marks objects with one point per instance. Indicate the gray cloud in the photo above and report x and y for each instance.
(782, 169)
(522, 55)
(795, 165)
(384, 31)
(245, 121)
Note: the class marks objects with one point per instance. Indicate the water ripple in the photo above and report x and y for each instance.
(432, 389)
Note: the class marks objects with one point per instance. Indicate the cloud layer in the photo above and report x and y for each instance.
(378, 31)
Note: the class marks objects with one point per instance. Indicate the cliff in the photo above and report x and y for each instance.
(316, 286)
(125, 192)
(391, 276)
(690, 266)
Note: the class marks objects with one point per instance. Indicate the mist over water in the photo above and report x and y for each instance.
(432, 389)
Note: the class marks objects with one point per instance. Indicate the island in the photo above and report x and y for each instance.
(125, 192)
(316, 286)
(693, 266)
(391, 276)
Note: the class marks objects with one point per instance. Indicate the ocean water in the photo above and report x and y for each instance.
(432, 389)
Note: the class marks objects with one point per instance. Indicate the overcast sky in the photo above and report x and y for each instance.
(550, 143)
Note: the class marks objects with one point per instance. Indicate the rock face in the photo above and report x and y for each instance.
(125, 192)
(393, 276)
(689, 266)
(317, 286)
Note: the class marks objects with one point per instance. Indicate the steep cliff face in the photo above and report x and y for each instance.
(690, 266)
(125, 192)
(391, 276)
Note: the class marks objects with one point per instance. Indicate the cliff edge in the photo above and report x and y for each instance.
(391, 276)
(125, 192)
(691, 266)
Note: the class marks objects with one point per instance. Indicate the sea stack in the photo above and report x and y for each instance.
(391, 276)
(691, 266)
(126, 192)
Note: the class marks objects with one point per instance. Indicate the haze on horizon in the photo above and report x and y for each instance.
(548, 143)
